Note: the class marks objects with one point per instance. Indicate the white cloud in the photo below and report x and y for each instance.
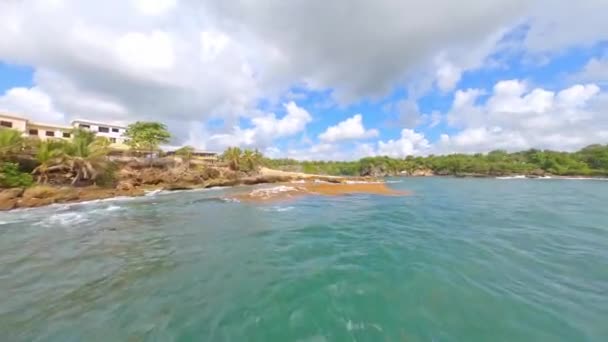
(186, 62)
(448, 75)
(31, 103)
(410, 143)
(147, 51)
(154, 7)
(596, 70)
(265, 129)
(516, 117)
(349, 129)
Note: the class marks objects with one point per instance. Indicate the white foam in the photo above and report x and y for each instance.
(64, 219)
(278, 209)
(362, 182)
(512, 177)
(265, 192)
(153, 192)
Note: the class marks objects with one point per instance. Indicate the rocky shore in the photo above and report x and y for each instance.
(133, 182)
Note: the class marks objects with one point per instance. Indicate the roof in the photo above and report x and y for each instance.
(173, 149)
(41, 124)
(11, 116)
(96, 123)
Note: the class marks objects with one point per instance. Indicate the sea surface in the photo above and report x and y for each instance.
(456, 260)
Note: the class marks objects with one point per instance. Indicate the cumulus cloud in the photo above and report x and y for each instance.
(349, 129)
(448, 75)
(31, 103)
(410, 143)
(188, 62)
(265, 129)
(516, 117)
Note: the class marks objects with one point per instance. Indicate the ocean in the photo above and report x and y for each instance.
(455, 260)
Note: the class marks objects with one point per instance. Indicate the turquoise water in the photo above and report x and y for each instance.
(458, 260)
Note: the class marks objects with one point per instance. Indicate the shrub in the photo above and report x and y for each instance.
(12, 177)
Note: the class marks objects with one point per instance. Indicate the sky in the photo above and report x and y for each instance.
(317, 79)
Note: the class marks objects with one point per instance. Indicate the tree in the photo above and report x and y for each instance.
(86, 155)
(251, 160)
(50, 155)
(147, 135)
(185, 153)
(233, 157)
(11, 143)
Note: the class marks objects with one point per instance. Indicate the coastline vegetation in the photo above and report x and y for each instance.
(590, 161)
(84, 160)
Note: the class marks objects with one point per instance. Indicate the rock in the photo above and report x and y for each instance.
(40, 192)
(66, 194)
(177, 186)
(221, 182)
(9, 198)
(41, 195)
(422, 173)
(125, 185)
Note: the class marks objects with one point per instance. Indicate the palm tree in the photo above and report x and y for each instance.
(86, 155)
(233, 157)
(11, 143)
(251, 159)
(185, 153)
(50, 155)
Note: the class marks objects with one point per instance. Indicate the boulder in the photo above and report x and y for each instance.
(422, 173)
(125, 185)
(9, 198)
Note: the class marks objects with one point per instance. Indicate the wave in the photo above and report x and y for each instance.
(64, 219)
(266, 192)
(362, 182)
(513, 177)
(278, 209)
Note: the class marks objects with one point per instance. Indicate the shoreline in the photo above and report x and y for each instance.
(45, 195)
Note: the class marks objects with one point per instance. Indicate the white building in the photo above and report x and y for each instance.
(113, 132)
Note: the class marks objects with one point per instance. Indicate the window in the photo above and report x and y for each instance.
(6, 124)
(115, 130)
(50, 133)
(84, 126)
(67, 135)
(113, 140)
(33, 132)
(104, 129)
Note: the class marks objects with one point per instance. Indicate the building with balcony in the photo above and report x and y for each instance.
(113, 132)
(35, 129)
(51, 131)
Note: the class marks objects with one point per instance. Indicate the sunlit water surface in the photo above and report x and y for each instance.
(457, 260)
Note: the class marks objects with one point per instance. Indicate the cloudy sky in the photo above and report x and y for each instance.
(317, 79)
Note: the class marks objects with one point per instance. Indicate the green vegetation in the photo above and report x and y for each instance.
(590, 161)
(147, 135)
(239, 160)
(84, 158)
(86, 155)
(11, 143)
(12, 177)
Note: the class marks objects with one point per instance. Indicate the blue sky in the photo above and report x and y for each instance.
(472, 78)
